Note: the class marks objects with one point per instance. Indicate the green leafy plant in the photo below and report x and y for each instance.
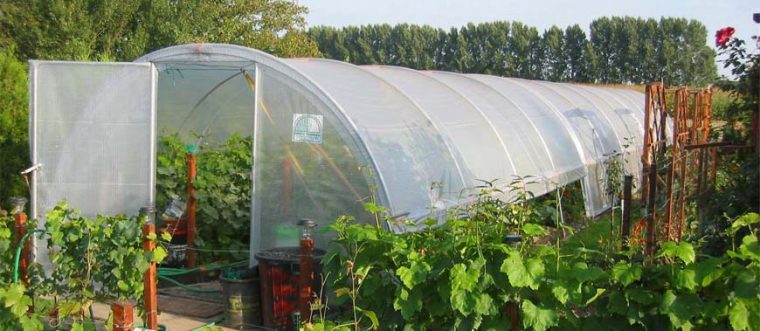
(223, 192)
(104, 250)
(14, 304)
(462, 274)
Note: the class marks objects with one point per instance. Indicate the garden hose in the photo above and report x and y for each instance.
(20, 247)
(209, 267)
(167, 273)
(187, 287)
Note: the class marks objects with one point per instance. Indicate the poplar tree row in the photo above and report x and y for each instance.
(618, 49)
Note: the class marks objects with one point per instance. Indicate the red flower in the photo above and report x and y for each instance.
(723, 35)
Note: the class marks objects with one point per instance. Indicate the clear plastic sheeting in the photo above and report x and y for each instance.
(209, 100)
(423, 139)
(320, 179)
(480, 152)
(328, 136)
(416, 165)
(554, 131)
(92, 132)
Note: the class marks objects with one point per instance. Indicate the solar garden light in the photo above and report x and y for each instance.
(148, 213)
(306, 229)
(18, 204)
(306, 241)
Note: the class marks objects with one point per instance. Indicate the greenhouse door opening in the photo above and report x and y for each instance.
(206, 109)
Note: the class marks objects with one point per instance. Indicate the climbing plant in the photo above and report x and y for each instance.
(465, 275)
(223, 192)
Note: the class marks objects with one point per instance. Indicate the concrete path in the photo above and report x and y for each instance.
(173, 322)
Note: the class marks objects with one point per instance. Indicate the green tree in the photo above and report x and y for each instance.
(521, 40)
(14, 145)
(495, 50)
(124, 30)
(619, 49)
(455, 56)
(604, 47)
(555, 67)
(573, 47)
(649, 70)
(331, 42)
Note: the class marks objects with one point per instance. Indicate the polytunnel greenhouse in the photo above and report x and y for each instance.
(327, 135)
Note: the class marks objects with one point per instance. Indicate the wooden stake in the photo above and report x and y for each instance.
(150, 292)
(191, 204)
(627, 188)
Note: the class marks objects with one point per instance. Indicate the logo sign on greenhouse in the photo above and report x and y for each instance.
(307, 128)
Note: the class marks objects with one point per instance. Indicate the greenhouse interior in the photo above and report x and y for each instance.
(321, 137)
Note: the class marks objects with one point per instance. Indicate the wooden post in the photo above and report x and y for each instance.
(191, 204)
(150, 292)
(513, 311)
(20, 218)
(651, 205)
(307, 278)
(627, 188)
(123, 316)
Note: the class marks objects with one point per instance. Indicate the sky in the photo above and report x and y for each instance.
(539, 13)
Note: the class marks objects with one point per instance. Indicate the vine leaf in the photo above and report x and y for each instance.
(463, 282)
(708, 271)
(626, 273)
(686, 279)
(745, 220)
(533, 230)
(560, 292)
(738, 315)
(166, 236)
(523, 274)
(683, 251)
(750, 249)
(536, 318)
(415, 274)
(159, 254)
(680, 308)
